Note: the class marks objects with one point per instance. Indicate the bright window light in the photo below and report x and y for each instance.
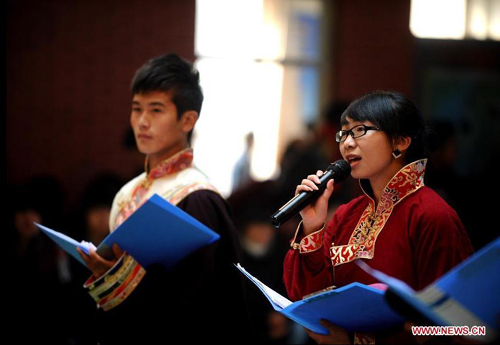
(244, 52)
(227, 28)
(478, 19)
(494, 27)
(240, 97)
(443, 19)
(236, 42)
(455, 19)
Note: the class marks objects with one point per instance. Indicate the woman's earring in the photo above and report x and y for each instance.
(396, 153)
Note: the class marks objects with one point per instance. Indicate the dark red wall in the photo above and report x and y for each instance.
(69, 66)
(373, 48)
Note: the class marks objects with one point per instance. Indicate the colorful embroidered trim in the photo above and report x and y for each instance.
(309, 243)
(182, 191)
(178, 162)
(93, 283)
(123, 292)
(361, 245)
(114, 287)
(111, 279)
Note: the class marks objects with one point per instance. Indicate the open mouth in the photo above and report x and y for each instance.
(352, 160)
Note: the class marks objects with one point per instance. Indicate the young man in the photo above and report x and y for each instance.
(202, 298)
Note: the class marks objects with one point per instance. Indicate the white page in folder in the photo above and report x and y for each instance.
(275, 298)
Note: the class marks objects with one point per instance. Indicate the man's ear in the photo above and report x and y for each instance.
(188, 120)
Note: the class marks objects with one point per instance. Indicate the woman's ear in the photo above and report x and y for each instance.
(401, 144)
(188, 120)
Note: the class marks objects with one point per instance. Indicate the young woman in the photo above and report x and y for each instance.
(399, 226)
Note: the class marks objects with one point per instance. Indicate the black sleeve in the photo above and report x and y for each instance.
(213, 211)
(213, 283)
(210, 270)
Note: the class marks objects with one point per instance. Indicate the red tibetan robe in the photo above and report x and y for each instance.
(412, 234)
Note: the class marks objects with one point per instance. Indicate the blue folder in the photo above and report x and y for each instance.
(157, 232)
(355, 307)
(468, 295)
(65, 242)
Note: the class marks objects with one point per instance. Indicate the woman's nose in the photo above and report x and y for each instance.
(349, 141)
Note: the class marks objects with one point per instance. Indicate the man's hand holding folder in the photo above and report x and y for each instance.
(97, 264)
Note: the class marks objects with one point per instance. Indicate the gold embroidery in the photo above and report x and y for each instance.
(362, 241)
(309, 243)
(366, 227)
(146, 183)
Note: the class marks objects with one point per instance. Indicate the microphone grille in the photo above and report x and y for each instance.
(341, 168)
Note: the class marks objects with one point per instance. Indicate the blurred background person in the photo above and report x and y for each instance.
(96, 206)
(39, 272)
(242, 170)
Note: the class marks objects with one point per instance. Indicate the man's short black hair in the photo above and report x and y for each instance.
(170, 73)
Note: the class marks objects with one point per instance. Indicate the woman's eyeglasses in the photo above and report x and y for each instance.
(355, 132)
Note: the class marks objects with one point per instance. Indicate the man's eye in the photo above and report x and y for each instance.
(135, 110)
(157, 110)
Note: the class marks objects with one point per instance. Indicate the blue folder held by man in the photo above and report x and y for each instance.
(157, 232)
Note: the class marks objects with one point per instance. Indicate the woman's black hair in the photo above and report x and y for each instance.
(395, 115)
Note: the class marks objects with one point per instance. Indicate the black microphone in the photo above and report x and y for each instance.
(338, 171)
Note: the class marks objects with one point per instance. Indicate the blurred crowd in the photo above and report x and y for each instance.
(46, 285)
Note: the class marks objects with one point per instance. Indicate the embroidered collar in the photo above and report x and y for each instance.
(180, 161)
(361, 244)
(406, 181)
